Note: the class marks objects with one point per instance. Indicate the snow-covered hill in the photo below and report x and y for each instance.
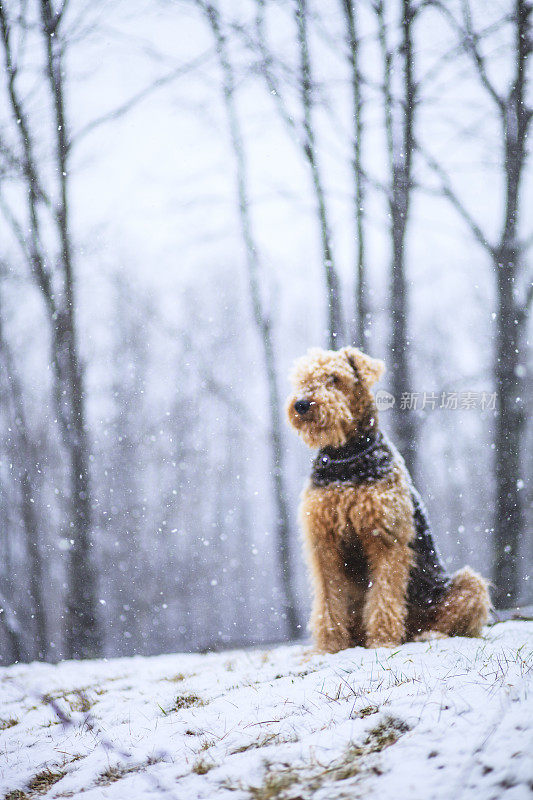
(447, 719)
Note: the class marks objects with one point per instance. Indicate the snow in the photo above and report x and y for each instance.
(450, 718)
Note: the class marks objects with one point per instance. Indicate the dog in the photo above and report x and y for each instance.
(376, 576)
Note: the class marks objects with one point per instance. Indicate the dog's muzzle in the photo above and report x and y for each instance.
(302, 406)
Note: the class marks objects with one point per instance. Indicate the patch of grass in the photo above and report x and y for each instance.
(114, 774)
(77, 700)
(386, 733)
(271, 738)
(177, 678)
(201, 767)
(274, 784)
(110, 775)
(187, 701)
(254, 745)
(346, 768)
(8, 723)
(41, 782)
(353, 763)
(81, 703)
(302, 674)
(206, 744)
(361, 713)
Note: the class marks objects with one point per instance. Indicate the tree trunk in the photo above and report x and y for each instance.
(12, 631)
(264, 329)
(283, 526)
(514, 114)
(33, 548)
(333, 290)
(400, 155)
(509, 522)
(24, 462)
(305, 137)
(81, 635)
(362, 309)
(509, 519)
(405, 425)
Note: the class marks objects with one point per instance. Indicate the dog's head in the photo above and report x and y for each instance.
(332, 400)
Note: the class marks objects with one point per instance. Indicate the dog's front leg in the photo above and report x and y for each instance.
(330, 618)
(385, 609)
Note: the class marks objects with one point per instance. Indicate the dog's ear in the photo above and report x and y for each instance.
(366, 368)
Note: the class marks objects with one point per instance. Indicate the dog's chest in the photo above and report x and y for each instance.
(329, 511)
(326, 514)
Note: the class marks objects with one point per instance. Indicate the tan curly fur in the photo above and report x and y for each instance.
(349, 607)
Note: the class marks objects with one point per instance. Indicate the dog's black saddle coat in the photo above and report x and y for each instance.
(428, 580)
(368, 459)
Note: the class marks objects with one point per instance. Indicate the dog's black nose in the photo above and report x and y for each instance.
(302, 406)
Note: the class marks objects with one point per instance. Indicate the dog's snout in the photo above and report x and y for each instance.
(302, 406)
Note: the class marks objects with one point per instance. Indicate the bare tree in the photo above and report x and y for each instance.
(514, 290)
(24, 460)
(362, 308)
(54, 275)
(307, 88)
(303, 131)
(261, 317)
(399, 117)
(12, 630)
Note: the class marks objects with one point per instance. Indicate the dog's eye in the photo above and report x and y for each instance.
(332, 380)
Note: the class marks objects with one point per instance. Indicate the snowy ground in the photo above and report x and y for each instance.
(448, 719)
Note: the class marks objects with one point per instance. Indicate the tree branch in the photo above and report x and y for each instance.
(266, 63)
(19, 117)
(469, 40)
(528, 302)
(138, 97)
(449, 192)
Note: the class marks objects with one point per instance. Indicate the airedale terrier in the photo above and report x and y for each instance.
(377, 578)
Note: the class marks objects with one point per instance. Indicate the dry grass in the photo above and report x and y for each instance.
(178, 677)
(268, 739)
(114, 774)
(386, 733)
(44, 780)
(353, 763)
(201, 767)
(206, 744)
(367, 711)
(7, 723)
(274, 784)
(77, 700)
(186, 701)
